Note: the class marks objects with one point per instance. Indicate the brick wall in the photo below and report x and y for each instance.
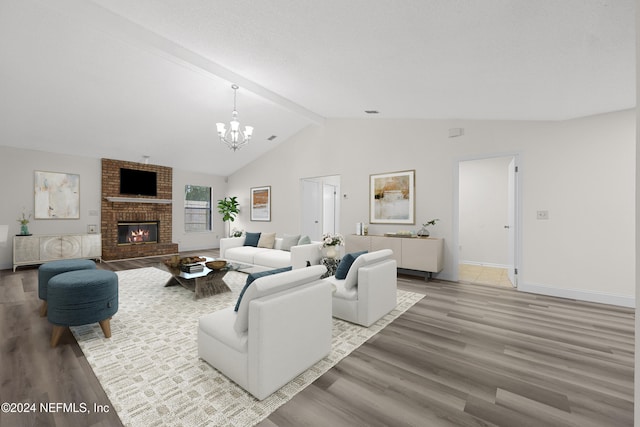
(112, 212)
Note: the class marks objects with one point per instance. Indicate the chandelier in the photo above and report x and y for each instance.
(232, 136)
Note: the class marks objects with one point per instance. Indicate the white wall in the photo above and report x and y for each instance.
(282, 169)
(483, 211)
(17, 183)
(587, 185)
(582, 171)
(17, 168)
(199, 240)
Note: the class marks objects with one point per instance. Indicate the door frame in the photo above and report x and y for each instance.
(334, 180)
(517, 247)
(308, 200)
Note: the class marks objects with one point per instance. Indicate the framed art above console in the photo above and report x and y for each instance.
(392, 198)
(56, 195)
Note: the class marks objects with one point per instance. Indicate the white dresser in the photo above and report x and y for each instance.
(411, 253)
(29, 250)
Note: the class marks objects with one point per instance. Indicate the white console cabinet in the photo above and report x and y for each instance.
(411, 253)
(29, 250)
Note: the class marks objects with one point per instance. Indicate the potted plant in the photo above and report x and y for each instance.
(329, 243)
(424, 232)
(228, 208)
(24, 221)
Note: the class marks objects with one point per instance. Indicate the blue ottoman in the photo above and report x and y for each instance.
(48, 270)
(81, 297)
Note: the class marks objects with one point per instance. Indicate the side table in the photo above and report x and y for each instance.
(332, 266)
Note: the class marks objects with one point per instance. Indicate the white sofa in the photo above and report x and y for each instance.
(233, 249)
(282, 327)
(369, 291)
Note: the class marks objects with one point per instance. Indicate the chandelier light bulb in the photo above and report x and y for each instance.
(232, 137)
(248, 131)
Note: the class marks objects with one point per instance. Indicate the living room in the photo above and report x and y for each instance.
(578, 162)
(600, 150)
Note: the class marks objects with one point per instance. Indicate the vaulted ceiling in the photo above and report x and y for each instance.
(123, 79)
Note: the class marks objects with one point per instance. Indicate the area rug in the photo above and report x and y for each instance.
(150, 368)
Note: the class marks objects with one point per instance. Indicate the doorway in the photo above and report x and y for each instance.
(320, 206)
(487, 204)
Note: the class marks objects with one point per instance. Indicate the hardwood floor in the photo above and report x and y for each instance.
(471, 355)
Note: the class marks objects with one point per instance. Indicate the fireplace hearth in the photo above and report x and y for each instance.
(135, 233)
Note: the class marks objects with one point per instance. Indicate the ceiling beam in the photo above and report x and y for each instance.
(97, 18)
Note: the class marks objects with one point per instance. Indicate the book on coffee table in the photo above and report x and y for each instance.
(192, 268)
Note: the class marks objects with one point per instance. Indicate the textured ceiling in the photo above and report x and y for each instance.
(123, 79)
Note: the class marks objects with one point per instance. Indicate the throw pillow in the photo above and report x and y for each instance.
(267, 240)
(289, 240)
(251, 239)
(304, 240)
(253, 276)
(345, 264)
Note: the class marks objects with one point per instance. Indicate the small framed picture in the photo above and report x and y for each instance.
(261, 203)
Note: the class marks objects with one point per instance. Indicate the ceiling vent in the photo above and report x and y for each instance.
(372, 111)
(271, 138)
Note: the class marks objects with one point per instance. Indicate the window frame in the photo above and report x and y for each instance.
(191, 210)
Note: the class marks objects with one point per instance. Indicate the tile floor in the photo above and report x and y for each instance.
(484, 275)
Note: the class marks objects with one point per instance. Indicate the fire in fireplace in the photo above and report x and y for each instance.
(133, 233)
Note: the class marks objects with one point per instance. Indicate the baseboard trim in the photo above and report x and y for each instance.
(578, 294)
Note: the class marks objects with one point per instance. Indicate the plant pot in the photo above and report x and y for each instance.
(330, 252)
(24, 230)
(423, 232)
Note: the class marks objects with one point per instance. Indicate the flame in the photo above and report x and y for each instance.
(139, 235)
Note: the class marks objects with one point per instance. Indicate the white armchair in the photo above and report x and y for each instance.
(369, 290)
(282, 327)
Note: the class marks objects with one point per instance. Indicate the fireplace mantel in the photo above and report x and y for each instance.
(139, 200)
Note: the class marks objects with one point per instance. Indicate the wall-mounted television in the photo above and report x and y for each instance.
(137, 182)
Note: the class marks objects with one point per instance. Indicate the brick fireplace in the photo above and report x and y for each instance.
(124, 209)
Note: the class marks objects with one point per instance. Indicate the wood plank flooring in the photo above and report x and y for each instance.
(466, 355)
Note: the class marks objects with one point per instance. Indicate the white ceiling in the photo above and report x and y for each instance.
(123, 79)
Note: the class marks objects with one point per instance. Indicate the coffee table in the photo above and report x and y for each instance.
(205, 283)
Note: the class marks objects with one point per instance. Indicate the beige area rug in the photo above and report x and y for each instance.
(150, 368)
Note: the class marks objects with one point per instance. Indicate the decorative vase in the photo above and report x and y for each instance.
(330, 252)
(423, 232)
(24, 230)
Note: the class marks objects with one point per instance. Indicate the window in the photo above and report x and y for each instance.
(197, 208)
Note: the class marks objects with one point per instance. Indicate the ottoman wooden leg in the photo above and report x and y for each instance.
(56, 334)
(106, 327)
(43, 309)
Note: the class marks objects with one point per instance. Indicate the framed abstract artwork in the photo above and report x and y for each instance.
(392, 198)
(56, 195)
(261, 203)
